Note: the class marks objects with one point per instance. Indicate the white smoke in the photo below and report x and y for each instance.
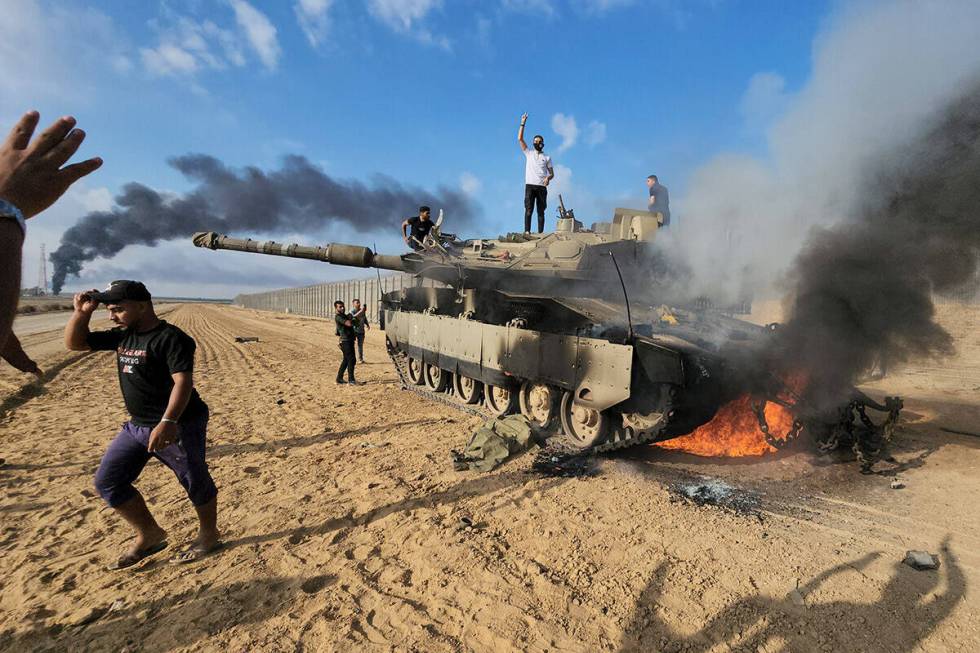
(879, 71)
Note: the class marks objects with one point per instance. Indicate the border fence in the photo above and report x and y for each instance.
(317, 300)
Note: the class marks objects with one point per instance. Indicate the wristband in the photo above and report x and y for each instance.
(8, 210)
(167, 419)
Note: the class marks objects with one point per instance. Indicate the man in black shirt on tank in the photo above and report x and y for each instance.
(420, 226)
(168, 419)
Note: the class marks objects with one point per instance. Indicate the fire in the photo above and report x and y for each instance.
(734, 431)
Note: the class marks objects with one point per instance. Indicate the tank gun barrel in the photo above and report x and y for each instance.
(336, 253)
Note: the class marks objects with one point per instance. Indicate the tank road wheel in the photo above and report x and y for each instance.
(539, 404)
(468, 390)
(498, 400)
(436, 378)
(416, 371)
(583, 427)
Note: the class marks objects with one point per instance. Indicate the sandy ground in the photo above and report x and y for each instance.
(341, 517)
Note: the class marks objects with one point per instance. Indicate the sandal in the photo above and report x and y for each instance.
(195, 553)
(131, 558)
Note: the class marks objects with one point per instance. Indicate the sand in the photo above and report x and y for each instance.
(341, 518)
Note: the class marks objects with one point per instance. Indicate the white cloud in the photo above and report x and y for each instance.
(470, 183)
(566, 128)
(539, 7)
(595, 133)
(765, 98)
(314, 19)
(187, 46)
(259, 31)
(51, 53)
(602, 6)
(168, 59)
(406, 16)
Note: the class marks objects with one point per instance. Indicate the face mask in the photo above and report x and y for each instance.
(539, 146)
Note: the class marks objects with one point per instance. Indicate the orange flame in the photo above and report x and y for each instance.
(734, 431)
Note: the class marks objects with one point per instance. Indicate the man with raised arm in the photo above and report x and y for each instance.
(538, 173)
(168, 420)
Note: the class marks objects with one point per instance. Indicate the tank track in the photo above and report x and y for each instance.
(618, 438)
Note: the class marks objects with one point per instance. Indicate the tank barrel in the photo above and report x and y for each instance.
(336, 253)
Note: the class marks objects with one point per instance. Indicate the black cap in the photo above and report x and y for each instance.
(122, 290)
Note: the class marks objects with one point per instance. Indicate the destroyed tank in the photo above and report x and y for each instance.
(569, 328)
(564, 327)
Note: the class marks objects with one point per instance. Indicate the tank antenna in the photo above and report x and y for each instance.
(629, 318)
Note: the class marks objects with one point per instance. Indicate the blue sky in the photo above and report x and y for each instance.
(426, 92)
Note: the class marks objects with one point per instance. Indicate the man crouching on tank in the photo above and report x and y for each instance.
(168, 420)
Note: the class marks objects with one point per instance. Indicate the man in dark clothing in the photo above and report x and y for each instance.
(360, 321)
(346, 335)
(168, 419)
(420, 225)
(659, 199)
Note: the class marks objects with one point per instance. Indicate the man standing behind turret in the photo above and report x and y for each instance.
(659, 201)
(538, 173)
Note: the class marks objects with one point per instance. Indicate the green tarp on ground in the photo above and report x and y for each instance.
(494, 442)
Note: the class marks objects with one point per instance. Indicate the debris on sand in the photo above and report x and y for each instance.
(246, 339)
(897, 484)
(921, 560)
(715, 492)
(561, 463)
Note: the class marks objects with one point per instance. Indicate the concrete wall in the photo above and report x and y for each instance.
(317, 301)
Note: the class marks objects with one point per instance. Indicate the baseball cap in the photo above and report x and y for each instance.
(121, 290)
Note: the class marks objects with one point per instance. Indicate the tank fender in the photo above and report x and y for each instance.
(660, 365)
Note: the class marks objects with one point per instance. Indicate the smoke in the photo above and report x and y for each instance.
(862, 289)
(880, 71)
(297, 197)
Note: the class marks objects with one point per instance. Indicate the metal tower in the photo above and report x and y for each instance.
(42, 273)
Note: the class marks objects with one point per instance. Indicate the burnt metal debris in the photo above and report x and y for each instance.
(576, 330)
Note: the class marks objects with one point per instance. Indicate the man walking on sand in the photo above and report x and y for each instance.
(538, 173)
(168, 420)
(360, 321)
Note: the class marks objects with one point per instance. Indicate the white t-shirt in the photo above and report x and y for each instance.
(537, 167)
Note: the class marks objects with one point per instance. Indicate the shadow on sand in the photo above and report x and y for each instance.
(912, 604)
(175, 622)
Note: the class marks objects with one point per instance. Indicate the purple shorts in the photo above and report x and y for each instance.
(127, 455)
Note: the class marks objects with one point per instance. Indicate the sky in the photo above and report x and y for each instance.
(425, 92)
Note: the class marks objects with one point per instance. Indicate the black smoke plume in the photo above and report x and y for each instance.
(296, 197)
(862, 290)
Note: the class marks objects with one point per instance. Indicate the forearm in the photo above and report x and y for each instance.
(11, 242)
(76, 331)
(14, 353)
(180, 394)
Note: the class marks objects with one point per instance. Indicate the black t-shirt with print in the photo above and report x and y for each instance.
(419, 228)
(146, 361)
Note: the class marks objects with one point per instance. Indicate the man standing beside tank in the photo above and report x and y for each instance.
(538, 173)
(659, 201)
(346, 336)
(360, 321)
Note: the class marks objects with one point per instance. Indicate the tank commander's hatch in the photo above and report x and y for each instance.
(634, 224)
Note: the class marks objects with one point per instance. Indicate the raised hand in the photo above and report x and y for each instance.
(31, 176)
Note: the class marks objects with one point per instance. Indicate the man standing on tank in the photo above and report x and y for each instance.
(659, 199)
(538, 173)
(346, 336)
(359, 319)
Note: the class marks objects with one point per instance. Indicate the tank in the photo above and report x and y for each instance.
(569, 328)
